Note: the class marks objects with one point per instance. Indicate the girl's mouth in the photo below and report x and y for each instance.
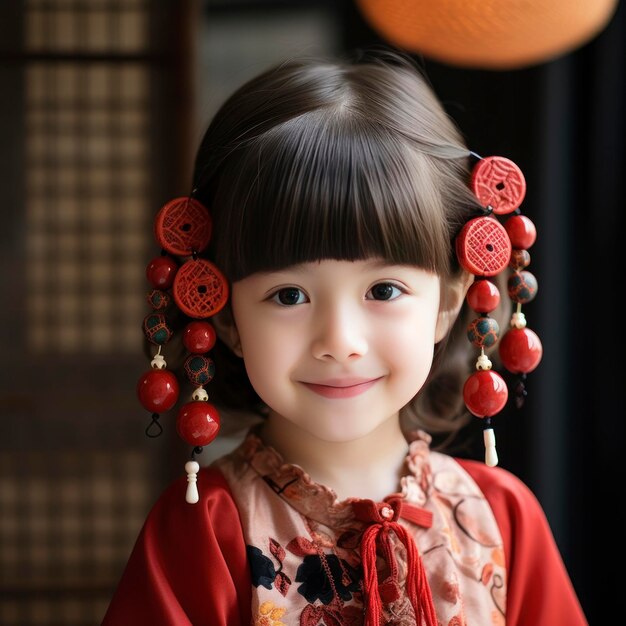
(347, 391)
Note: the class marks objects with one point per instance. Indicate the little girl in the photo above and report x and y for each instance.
(336, 191)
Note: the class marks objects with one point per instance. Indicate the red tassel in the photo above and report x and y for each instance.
(377, 534)
(374, 607)
(417, 583)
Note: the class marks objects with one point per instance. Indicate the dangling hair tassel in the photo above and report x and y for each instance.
(183, 229)
(489, 437)
(485, 248)
(192, 468)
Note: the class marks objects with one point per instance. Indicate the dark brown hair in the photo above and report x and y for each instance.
(338, 159)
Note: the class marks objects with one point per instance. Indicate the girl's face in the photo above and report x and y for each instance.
(336, 348)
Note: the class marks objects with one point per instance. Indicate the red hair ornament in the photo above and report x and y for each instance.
(197, 287)
(485, 248)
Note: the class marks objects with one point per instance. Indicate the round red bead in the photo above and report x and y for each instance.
(521, 231)
(199, 337)
(483, 296)
(520, 350)
(485, 393)
(198, 423)
(157, 390)
(161, 272)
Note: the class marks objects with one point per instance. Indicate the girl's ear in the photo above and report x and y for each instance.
(452, 296)
(226, 329)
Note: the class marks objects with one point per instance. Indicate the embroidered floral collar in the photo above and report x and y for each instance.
(320, 503)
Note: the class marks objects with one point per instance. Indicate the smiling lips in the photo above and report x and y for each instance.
(345, 388)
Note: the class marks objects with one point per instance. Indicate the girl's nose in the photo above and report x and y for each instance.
(339, 334)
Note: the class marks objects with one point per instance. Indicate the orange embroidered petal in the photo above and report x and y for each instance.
(270, 615)
(497, 556)
(266, 608)
(450, 591)
(486, 574)
(497, 619)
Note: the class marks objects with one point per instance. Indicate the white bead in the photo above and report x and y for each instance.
(491, 456)
(158, 362)
(192, 468)
(518, 320)
(200, 394)
(483, 362)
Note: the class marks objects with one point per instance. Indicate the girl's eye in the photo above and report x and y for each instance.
(289, 296)
(385, 291)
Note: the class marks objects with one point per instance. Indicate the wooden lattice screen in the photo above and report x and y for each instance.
(92, 115)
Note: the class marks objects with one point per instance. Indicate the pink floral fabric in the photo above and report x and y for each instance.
(304, 545)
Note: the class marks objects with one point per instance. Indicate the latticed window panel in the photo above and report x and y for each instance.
(64, 530)
(88, 163)
(74, 489)
(101, 26)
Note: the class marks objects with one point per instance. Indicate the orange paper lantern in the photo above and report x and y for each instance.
(490, 34)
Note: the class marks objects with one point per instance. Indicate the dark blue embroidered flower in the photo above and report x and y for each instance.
(316, 584)
(261, 568)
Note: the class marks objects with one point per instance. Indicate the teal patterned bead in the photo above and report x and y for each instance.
(156, 330)
(522, 287)
(483, 332)
(199, 369)
(158, 299)
(519, 259)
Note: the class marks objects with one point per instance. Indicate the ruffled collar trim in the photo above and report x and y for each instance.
(319, 502)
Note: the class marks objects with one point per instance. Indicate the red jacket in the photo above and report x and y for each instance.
(189, 564)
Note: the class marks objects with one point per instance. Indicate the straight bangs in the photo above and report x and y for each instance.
(331, 186)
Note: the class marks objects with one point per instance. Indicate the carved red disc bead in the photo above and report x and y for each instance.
(483, 247)
(158, 390)
(521, 231)
(485, 393)
(499, 183)
(520, 350)
(199, 337)
(483, 296)
(183, 226)
(198, 423)
(200, 289)
(161, 272)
